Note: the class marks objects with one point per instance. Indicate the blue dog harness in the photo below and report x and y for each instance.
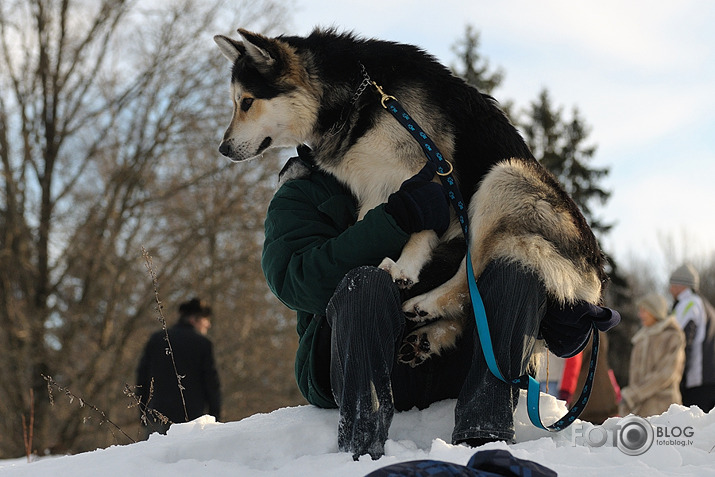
(444, 170)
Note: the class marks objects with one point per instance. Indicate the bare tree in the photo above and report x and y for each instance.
(109, 119)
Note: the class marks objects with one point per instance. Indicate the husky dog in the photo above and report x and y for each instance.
(315, 90)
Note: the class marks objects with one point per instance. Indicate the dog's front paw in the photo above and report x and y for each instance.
(402, 278)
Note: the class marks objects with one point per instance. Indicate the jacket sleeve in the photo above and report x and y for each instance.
(689, 322)
(690, 329)
(310, 244)
(212, 385)
(143, 379)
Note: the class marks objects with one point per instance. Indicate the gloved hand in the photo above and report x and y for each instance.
(420, 204)
(567, 329)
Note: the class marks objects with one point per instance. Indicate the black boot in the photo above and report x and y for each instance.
(363, 428)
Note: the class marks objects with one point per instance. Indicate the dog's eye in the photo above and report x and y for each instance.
(246, 104)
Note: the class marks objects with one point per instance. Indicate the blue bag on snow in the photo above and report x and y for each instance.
(487, 463)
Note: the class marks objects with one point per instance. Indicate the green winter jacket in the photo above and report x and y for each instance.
(311, 242)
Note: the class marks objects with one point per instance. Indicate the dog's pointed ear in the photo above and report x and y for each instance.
(231, 49)
(260, 48)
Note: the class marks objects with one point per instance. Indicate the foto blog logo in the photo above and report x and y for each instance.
(632, 435)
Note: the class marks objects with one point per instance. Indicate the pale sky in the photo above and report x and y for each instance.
(642, 74)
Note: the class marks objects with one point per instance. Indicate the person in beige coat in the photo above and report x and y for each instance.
(657, 361)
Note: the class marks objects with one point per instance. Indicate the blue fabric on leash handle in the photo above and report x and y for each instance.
(444, 169)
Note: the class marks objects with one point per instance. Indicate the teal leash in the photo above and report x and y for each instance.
(444, 170)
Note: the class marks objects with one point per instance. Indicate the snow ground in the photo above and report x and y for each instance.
(301, 441)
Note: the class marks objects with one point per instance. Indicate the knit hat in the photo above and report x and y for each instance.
(655, 304)
(686, 275)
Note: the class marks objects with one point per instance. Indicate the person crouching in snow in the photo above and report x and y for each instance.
(321, 263)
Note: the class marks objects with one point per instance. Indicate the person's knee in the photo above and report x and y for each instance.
(369, 276)
(499, 273)
(362, 290)
(508, 280)
(362, 282)
(515, 303)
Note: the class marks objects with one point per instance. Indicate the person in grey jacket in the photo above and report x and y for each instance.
(690, 309)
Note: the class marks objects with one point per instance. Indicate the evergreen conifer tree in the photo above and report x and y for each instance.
(473, 67)
(560, 145)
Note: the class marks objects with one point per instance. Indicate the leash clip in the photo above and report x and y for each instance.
(384, 95)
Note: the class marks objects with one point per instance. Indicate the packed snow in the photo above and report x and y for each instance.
(301, 441)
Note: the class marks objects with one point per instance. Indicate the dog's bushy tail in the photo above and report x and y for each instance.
(521, 213)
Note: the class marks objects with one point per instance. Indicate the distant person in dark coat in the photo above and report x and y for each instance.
(193, 354)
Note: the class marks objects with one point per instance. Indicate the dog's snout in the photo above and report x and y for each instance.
(225, 149)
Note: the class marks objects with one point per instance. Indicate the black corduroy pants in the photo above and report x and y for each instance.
(367, 327)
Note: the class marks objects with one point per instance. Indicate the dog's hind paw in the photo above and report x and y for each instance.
(429, 340)
(401, 278)
(415, 349)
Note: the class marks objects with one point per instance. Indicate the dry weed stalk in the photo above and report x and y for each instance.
(82, 403)
(145, 410)
(159, 307)
(28, 429)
